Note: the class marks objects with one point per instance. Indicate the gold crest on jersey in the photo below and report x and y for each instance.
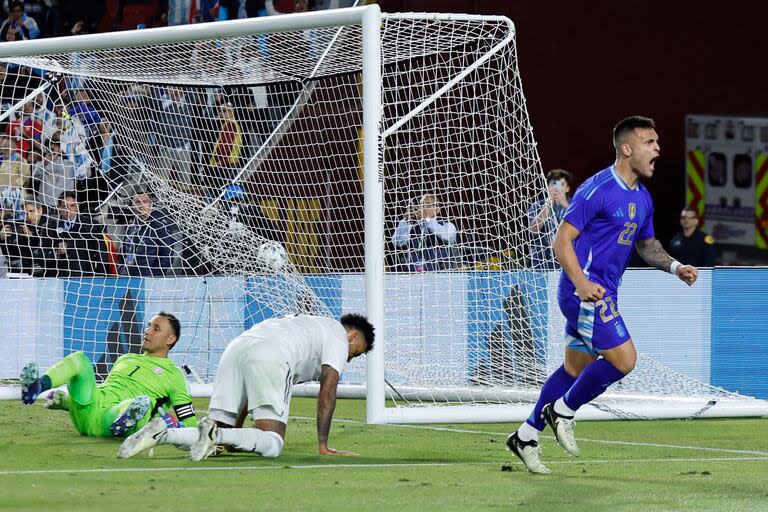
(632, 211)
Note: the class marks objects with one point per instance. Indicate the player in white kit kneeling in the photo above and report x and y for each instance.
(256, 375)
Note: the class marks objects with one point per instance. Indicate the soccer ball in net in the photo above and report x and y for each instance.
(272, 256)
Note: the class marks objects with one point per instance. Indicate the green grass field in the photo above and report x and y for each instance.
(715, 465)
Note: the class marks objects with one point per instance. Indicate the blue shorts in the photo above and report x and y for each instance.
(592, 327)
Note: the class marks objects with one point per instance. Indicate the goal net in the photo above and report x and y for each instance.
(343, 161)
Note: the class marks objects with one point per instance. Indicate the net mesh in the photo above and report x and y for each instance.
(221, 180)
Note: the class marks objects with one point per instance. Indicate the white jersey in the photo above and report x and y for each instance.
(305, 342)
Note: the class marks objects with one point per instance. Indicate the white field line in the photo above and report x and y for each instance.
(755, 456)
(326, 467)
(581, 439)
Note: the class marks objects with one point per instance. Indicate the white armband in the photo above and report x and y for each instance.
(674, 266)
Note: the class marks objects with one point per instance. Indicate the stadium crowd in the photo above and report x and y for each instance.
(70, 201)
(70, 153)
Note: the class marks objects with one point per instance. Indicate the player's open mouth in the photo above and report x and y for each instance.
(653, 162)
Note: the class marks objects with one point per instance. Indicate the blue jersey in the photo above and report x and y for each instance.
(610, 218)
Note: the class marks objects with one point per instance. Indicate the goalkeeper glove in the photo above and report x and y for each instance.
(169, 419)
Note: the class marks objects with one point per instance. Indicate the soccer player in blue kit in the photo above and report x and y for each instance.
(611, 213)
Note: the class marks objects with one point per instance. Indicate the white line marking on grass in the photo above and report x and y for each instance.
(580, 439)
(239, 468)
(363, 466)
(628, 461)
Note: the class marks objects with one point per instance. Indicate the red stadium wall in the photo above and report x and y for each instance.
(587, 64)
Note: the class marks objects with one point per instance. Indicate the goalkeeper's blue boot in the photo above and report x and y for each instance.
(30, 383)
(131, 416)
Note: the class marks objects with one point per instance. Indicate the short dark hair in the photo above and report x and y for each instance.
(360, 324)
(559, 174)
(175, 325)
(64, 195)
(628, 124)
(692, 210)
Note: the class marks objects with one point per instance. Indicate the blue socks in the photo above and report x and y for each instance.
(556, 386)
(592, 382)
(45, 383)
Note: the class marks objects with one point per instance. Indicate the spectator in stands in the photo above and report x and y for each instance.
(226, 152)
(114, 162)
(545, 215)
(174, 135)
(55, 177)
(149, 240)
(26, 128)
(39, 10)
(691, 246)
(35, 158)
(14, 170)
(18, 26)
(209, 10)
(117, 163)
(28, 244)
(57, 120)
(12, 199)
(423, 238)
(7, 219)
(180, 12)
(86, 113)
(137, 105)
(77, 240)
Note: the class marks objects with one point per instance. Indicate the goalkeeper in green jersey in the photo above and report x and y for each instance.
(138, 386)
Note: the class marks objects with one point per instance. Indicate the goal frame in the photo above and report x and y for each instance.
(374, 135)
(369, 17)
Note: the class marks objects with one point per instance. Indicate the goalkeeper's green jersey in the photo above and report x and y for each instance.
(159, 378)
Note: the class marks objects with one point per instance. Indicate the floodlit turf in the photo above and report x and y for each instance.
(715, 465)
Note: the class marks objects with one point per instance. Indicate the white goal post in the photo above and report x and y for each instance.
(327, 162)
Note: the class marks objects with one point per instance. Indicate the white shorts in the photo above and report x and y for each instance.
(251, 375)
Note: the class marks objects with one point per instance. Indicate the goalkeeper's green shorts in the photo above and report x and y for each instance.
(91, 410)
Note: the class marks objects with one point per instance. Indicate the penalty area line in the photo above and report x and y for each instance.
(366, 466)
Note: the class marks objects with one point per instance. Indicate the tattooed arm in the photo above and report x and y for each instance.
(655, 255)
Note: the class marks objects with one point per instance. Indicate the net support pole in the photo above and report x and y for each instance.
(26, 99)
(373, 177)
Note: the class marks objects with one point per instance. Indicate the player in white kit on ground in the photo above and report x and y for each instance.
(256, 375)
